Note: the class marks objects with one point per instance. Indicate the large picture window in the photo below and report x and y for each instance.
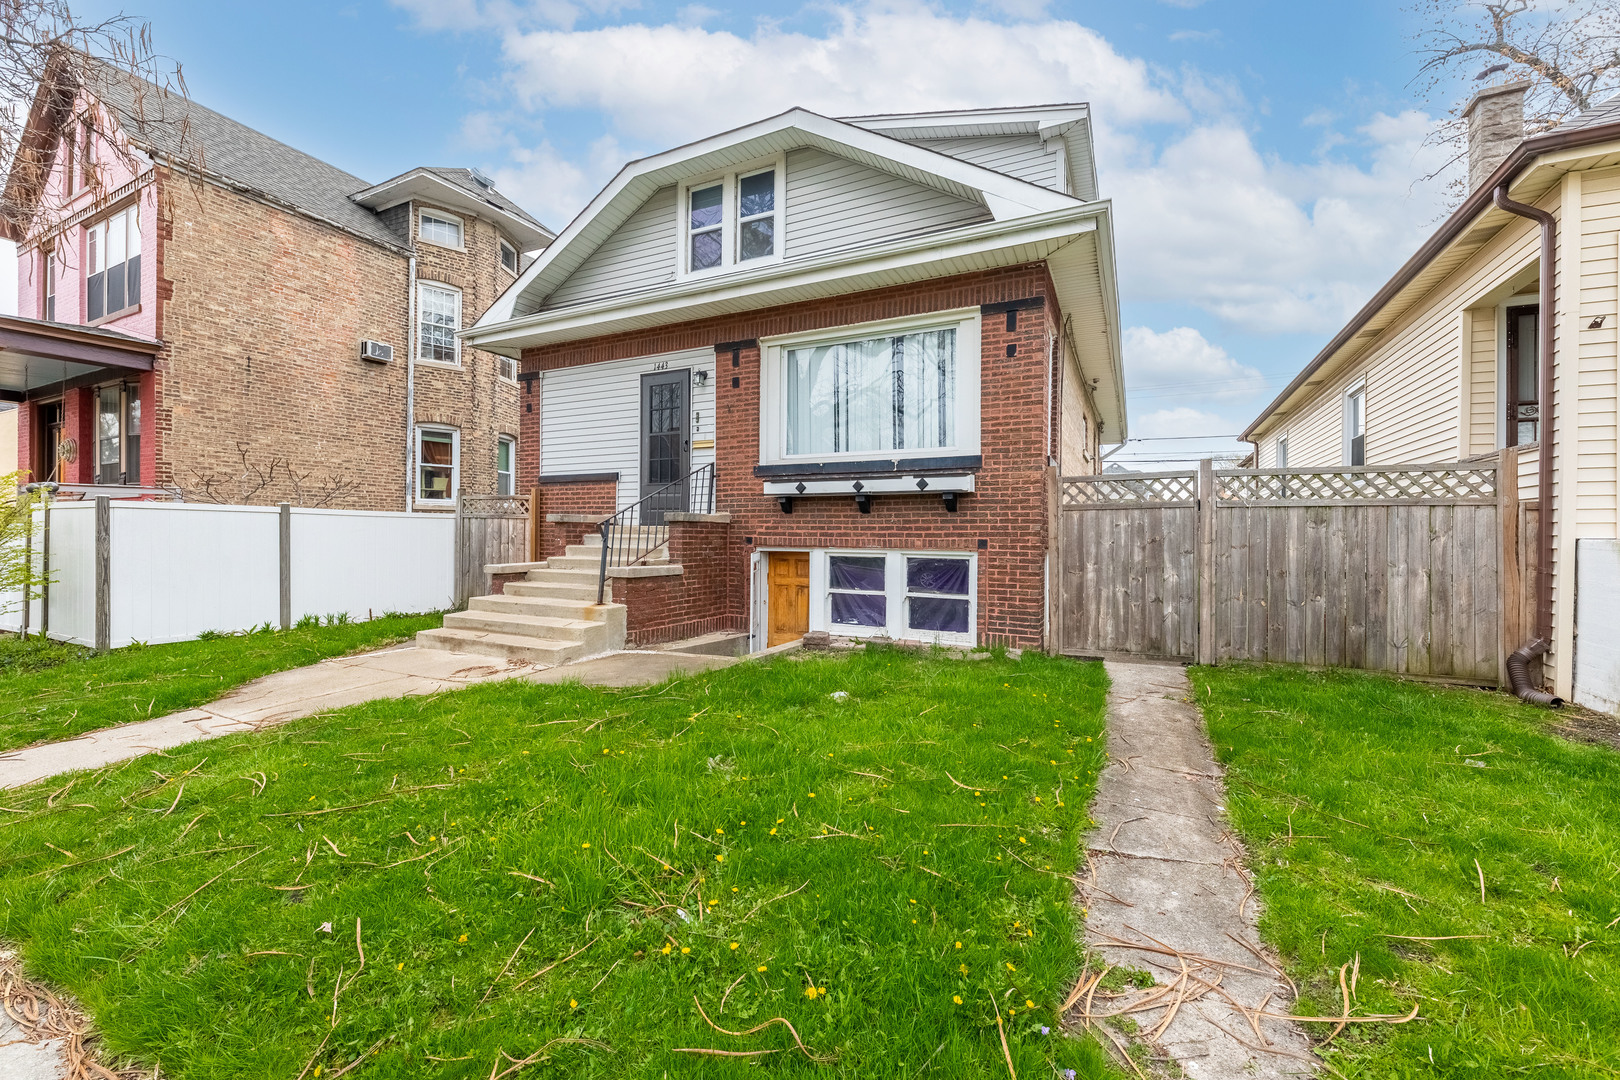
(113, 261)
(878, 394)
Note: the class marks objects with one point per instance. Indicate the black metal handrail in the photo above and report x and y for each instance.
(639, 530)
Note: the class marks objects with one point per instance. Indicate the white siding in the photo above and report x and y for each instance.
(590, 417)
(1023, 156)
(835, 203)
(640, 254)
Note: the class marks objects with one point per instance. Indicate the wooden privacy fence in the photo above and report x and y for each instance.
(489, 529)
(1388, 569)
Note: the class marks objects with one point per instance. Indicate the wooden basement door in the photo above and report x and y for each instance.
(788, 589)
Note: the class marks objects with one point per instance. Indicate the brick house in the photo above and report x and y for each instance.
(205, 310)
(883, 338)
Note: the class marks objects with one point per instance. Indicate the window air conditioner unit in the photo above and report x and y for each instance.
(376, 352)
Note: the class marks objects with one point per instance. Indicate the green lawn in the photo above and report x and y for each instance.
(1399, 797)
(50, 691)
(875, 868)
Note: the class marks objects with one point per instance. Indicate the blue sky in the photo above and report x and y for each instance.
(1261, 155)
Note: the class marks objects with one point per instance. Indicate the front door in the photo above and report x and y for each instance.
(788, 589)
(665, 441)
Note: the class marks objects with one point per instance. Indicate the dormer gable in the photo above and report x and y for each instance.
(796, 186)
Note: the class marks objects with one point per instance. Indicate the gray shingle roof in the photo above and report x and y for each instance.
(1607, 112)
(464, 178)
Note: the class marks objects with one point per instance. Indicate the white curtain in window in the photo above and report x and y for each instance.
(875, 395)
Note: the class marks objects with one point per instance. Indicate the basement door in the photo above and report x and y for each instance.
(788, 589)
(666, 441)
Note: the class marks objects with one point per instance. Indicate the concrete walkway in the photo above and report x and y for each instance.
(1168, 892)
(331, 684)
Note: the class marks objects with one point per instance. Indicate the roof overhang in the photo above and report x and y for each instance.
(1530, 171)
(1005, 196)
(37, 355)
(1076, 243)
(423, 186)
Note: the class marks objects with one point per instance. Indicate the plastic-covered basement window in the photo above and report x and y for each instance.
(937, 595)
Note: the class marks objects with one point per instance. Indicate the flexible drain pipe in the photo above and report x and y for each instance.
(1518, 662)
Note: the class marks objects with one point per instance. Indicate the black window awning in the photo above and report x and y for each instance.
(37, 357)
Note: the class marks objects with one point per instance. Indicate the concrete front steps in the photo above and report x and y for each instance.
(551, 616)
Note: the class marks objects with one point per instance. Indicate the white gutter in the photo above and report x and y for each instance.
(410, 389)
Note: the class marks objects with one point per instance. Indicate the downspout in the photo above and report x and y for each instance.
(1519, 660)
(410, 388)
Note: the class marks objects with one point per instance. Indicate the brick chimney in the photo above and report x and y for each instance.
(1495, 118)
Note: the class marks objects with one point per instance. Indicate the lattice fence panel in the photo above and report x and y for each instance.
(495, 506)
(1130, 489)
(1414, 484)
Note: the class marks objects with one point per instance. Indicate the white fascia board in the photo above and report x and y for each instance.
(690, 299)
(1013, 198)
(423, 185)
(1045, 120)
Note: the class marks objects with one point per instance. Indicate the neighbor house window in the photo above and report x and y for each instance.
(440, 229)
(507, 367)
(509, 258)
(113, 262)
(440, 318)
(873, 395)
(118, 434)
(437, 457)
(732, 220)
(1282, 451)
(505, 453)
(1355, 426)
(50, 286)
(1523, 376)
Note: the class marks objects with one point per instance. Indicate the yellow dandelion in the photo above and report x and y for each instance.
(586, 844)
(401, 966)
(957, 998)
(812, 794)
(1011, 968)
(761, 968)
(719, 858)
(1021, 840)
(733, 946)
(685, 949)
(1028, 1004)
(810, 993)
(572, 1004)
(780, 820)
(742, 822)
(958, 944)
(773, 832)
(734, 888)
(721, 832)
(461, 939)
(432, 838)
(317, 1070)
(667, 949)
(962, 968)
(605, 750)
(912, 901)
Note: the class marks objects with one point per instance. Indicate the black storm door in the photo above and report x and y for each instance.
(665, 441)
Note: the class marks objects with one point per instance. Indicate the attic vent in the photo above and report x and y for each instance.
(483, 180)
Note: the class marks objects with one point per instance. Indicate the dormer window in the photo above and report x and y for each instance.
(733, 220)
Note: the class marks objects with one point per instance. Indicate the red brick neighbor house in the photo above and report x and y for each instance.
(207, 312)
(826, 373)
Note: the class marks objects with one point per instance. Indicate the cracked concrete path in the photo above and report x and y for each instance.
(405, 671)
(1167, 873)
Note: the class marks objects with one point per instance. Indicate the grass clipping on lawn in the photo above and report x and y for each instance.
(1443, 849)
(476, 883)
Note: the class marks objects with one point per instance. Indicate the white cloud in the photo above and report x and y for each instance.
(668, 83)
(1263, 244)
(1181, 362)
(554, 187)
(1181, 423)
(1195, 35)
(463, 15)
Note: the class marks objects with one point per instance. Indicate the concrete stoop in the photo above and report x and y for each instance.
(550, 617)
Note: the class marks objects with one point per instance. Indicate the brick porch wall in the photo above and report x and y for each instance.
(594, 496)
(1005, 522)
(697, 602)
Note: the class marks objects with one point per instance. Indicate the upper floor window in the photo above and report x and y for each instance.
(50, 286)
(113, 263)
(1355, 425)
(506, 367)
(910, 388)
(439, 319)
(441, 229)
(509, 258)
(732, 220)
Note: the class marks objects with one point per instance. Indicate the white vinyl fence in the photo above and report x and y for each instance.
(171, 571)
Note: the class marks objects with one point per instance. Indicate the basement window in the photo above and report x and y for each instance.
(905, 595)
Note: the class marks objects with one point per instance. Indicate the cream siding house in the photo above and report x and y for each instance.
(1442, 364)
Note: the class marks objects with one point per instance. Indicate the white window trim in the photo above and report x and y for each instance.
(510, 380)
(455, 467)
(503, 245)
(441, 215)
(1359, 386)
(455, 335)
(505, 440)
(896, 605)
(773, 399)
(730, 230)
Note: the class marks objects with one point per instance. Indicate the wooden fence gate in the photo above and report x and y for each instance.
(489, 529)
(1387, 569)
